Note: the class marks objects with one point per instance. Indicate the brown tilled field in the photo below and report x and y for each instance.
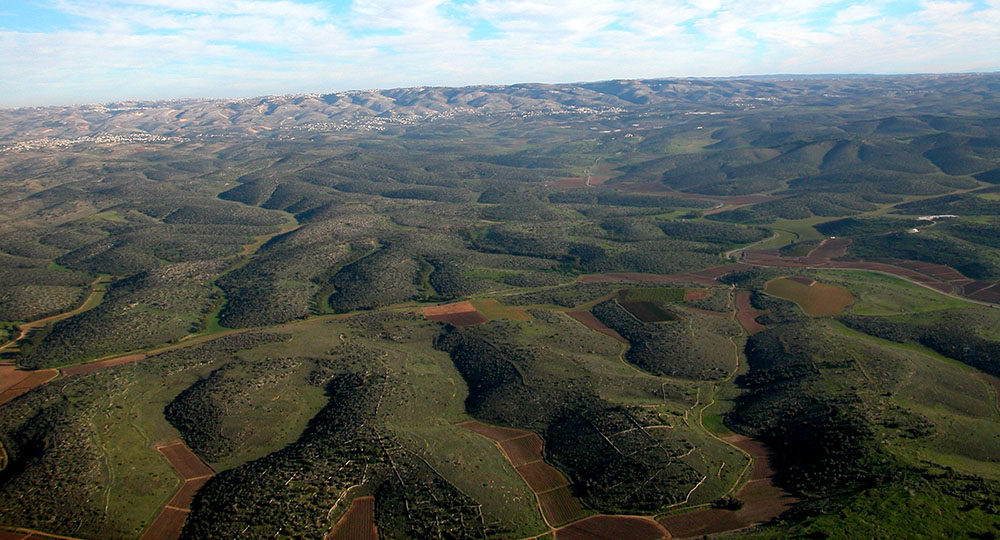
(587, 319)
(560, 506)
(692, 295)
(14, 382)
(358, 523)
(831, 248)
(746, 313)
(170, 521)
(458, 314)
(990, 294)
(167, 525)
(647, 311)
(541, 476)
(523, 449)
(94, 366)
(613, 528)
(763, 501)
(184, 461)
(185, 495)
(814, 298)
(448, 309)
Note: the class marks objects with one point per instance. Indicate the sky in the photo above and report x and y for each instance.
(59, 52)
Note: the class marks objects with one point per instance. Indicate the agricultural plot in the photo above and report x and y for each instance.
(458, 314)
(195, 473)
(15, 382)
(599, 527)
(587, 319)
(814, 298)
(358, 523)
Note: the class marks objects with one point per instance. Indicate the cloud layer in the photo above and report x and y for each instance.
(72, 51)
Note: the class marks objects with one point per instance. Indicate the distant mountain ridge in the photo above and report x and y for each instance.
(380, 109)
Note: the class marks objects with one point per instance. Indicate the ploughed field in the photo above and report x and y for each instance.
(571, 312)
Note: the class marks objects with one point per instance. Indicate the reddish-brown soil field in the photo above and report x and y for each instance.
(746, 313)
(991, 294)
(976, 286)
(541, 476)
(184, 461)
(647, 311)
(459, 314)
(801, 279)
(185, 495)
(358, 523)
(167, 525)
(814, 298)
(830, 249)
(170, 521)
(7, 535)
(613, 528)
(94, 366)
(14, 382)
(587, 319)
(763, 501)
(560, 506)
(461, 319)
(692, 295)
(761, 455)
(448, 309)
(523, 449)
(496, 433)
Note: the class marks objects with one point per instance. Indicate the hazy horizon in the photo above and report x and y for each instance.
(62, 52)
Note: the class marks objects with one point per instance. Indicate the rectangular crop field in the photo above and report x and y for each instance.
(587, 319)
(599, 527)
(523, 449)
(358, 523)
(560, 506)
(184, 461)
(648, 311)
(185, 495)
(746, 313)
(541, 476)
(458, 314)
(814, 299)
(167, 525)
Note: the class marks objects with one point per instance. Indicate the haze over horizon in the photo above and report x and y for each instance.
(85, 51)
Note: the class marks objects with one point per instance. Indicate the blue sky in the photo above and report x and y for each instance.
(83, 51)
